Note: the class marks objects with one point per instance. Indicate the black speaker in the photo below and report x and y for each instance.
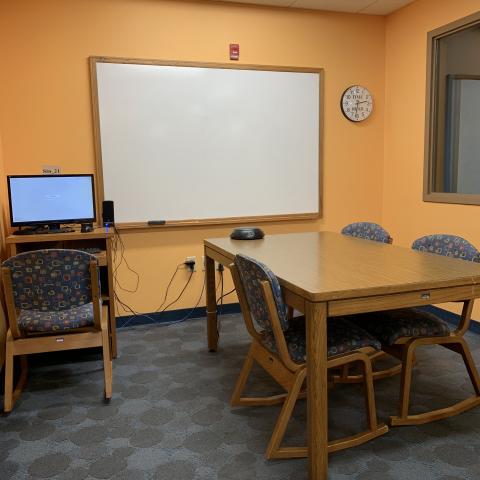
(108, 215)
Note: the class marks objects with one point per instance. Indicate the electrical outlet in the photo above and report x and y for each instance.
(193, 259)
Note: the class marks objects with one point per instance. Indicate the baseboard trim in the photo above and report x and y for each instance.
(451, 317)
(231, 308)
(172, 316)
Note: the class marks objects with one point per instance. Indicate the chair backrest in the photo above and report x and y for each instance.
(252, 273)
(367, 231)
(50, 280)
(448, 246)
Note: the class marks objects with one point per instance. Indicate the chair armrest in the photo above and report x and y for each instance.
(96, 298)
(12, 314)
(464, 323)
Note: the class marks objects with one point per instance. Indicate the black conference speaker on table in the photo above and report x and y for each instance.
(108, 215)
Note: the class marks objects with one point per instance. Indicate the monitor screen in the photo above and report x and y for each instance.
(46, 199)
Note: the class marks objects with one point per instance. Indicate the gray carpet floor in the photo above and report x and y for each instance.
(170, 419)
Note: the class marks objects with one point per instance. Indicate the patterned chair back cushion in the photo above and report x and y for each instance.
(448, 246)
(252, 273)
(367, 231)
(51, 280)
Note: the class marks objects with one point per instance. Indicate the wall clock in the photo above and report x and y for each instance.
(356, 103)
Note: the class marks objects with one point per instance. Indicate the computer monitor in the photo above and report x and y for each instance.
(50, 200)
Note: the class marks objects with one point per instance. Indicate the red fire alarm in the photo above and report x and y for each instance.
(234, 51)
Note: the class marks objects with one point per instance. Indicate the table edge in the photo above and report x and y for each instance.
(365, 292)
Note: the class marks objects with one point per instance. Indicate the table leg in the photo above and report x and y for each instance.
(317, 391)
(111, 304)
(113, 330)
(212, 327)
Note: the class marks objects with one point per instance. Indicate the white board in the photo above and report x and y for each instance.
(187, 142)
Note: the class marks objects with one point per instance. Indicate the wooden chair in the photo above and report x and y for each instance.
(53, 303)
(402, 331)
(376, 233)
(280, 349)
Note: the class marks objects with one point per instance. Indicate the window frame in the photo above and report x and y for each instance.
(434, 137)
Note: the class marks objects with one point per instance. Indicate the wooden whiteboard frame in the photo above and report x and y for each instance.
(205, 221)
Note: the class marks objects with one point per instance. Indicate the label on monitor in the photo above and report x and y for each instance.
(50, 169)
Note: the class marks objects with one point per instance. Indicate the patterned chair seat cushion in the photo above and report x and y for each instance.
(342, 337)
(37, 321)
(390, 325)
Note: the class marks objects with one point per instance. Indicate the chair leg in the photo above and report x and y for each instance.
(107, 361)
(22, 379)
(344, 373)
(8, 394)
(458, 345)
(24, 363)
(274, 450)
(374, 429)
(470, 365)
(369, 396)
(346, 377)
(242, 379)
(406, 382)
(237, 399)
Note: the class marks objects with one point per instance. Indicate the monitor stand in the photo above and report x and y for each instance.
(43, 229)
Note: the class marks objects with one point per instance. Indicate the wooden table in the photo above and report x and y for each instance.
(326, 275)
(100, 238)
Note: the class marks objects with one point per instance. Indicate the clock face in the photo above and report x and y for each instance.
(356, 103)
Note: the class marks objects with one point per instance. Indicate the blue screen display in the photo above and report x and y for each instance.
(51, 199)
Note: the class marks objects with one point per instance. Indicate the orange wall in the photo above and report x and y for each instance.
(407, 216)
(371, 171)
(45, 114)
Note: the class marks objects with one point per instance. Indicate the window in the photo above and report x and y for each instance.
(452, 146)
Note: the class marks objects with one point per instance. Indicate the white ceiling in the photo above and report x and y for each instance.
(370, 7)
